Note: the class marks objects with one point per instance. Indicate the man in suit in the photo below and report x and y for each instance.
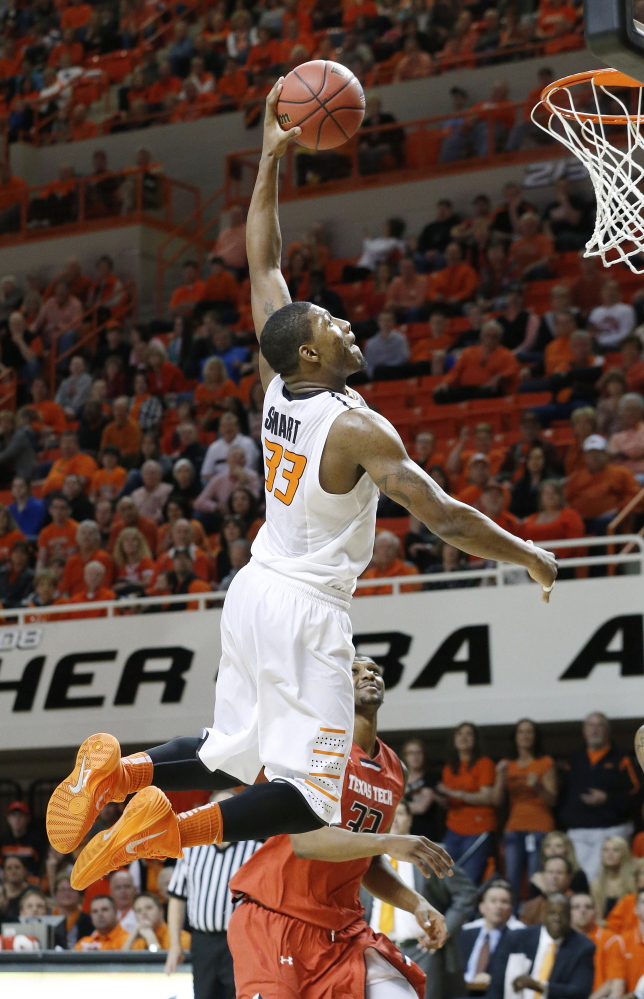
(552, 960)
(454, 897)
(479, 941)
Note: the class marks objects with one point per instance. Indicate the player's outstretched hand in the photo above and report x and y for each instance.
(419, 850)
(543, 569)
(433, 926)
(276, 140)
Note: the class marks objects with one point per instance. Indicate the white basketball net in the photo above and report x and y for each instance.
(610, 153)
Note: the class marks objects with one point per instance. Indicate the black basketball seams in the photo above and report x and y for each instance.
(308, 85)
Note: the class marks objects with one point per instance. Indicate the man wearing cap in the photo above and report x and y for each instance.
(600, 490)
(21, 840)
(478, 477)
(467, 445)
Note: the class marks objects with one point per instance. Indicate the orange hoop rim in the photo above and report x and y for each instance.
(601, 77)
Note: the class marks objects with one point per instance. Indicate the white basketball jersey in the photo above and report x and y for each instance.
(323, 539)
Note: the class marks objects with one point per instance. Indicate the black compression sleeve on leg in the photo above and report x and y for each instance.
(177, 767)
(265, 810)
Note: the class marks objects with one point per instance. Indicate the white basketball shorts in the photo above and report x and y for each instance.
(284, 695)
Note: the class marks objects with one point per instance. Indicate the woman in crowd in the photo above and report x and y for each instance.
(16, 881)
(584, 423)
(616, 876)
(555, 521)
(67, 903)
(469, 789)
(233, 528)
(525, 492)
(151, 930)
(623, 915)
(613, 386)
(177, 508)
(135, 568)
(9, 534)
(211, 393)
(16, 577)
(418, 791)
(558, 844)
(529, 781)
(243, 504)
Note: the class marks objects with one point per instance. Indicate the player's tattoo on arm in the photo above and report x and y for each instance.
(399, 487)
(269, 308)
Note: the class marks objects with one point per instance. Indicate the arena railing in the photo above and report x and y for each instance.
(89, 331)
(177, 201)
(417, 157)
(499, 574)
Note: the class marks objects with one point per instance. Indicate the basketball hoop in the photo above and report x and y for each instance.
(607, 137)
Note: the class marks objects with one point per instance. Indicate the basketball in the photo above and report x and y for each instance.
(326, 100)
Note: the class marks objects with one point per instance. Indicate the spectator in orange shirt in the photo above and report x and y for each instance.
(386, 561)
(123, 433)
(109, 480)
(264, 54)
(88, 541)
(626, 965)
(482, 372)
(623, 916)
(108, 934)
(530, 783)
(293, 36)
(134, 566)
(478, 476)
(583, 918)
(195, 103)
(230, 244)
(493, 503)
(221, 291)
(415, 64)
(54, 421)
(469, 789)
(165, 85)
(79, 284)
(151, 932)
(71, 462)
(482, 442)
(58, 539)
(599, 491)
(127, 515)
(92, 591)
(75, 14)
(9, 534)
(13, 195)
(455, 284)
(550, 13)
(164, 378)
(210, 395)
(182, 539)
(185, 297)
(233, 84)
(555, 520)
(532, 255)
(408, 292)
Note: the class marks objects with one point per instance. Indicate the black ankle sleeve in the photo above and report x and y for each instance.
(267, 810)
(177, 767)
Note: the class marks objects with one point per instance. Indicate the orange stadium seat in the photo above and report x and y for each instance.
(397, 525)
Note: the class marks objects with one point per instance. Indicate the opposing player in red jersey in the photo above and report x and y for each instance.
(299, 932)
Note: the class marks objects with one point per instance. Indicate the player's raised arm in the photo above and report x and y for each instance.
(373, 444)
(269, 291)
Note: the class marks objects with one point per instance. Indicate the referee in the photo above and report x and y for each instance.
(200, 883)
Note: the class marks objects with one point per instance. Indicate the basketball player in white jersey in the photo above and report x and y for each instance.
(284, 702)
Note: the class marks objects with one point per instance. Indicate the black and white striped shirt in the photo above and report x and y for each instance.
(201, 877)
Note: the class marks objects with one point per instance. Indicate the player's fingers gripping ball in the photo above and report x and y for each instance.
(325, 99)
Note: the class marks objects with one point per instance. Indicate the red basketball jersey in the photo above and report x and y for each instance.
(315, 891)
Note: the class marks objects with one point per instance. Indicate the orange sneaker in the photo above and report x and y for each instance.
(74, 806)
(147, 828)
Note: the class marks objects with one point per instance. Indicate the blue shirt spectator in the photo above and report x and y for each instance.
(28, 512)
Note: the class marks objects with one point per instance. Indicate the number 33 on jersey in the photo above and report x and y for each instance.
(323, 539)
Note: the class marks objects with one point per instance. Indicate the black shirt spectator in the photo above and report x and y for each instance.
(91, 426)
(598, 795)
(570, 219)
(436, 235)
(16, 577)
(21, 840)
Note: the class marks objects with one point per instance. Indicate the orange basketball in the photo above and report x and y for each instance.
(325, 99)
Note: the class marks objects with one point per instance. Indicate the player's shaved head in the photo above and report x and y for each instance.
(283, 335)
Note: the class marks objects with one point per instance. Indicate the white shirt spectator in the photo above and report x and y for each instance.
(612, 323)
(375, 251)
(217, 453)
